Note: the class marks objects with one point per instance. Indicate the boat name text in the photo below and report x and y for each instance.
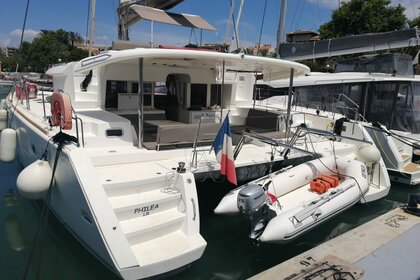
(145, 210)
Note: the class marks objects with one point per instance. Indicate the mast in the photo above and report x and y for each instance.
(232, 10)
(92, 27)
(23, 31)
(280, 31)
(236, 27)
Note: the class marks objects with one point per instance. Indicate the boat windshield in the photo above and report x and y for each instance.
(394, 104)
(5, 89)
(328, 98)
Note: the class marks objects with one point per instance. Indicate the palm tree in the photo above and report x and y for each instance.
(74, 37)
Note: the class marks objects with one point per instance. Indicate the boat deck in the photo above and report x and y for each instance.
(382, 248)
(412, 167)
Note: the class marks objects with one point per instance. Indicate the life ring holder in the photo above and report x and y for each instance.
(61, 112)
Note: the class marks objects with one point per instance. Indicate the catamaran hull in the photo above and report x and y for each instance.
(83, 206)
(68, 201)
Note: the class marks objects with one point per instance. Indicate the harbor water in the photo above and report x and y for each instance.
(229, 253)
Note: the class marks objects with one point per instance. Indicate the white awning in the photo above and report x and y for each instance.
(171, 18)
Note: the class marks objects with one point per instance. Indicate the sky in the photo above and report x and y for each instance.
(72, 16)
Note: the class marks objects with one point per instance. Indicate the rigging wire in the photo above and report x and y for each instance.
(23, 31)
(294, 15)
(262, 25)
(24, 23)
(318, 14)
(301, 12)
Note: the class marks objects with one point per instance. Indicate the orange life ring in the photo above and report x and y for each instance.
(61, 110)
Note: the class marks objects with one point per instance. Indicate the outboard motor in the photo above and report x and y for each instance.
(254, 203)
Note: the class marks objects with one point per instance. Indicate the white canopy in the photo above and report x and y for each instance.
(162, 16)
(271, 68)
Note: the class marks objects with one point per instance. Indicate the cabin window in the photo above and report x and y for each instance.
(160, 95)
(216, 95)
(416, 97)
(320, 97)
(406, 114)
(326, 97)
(415, 124)
(112, 90)
(382, 102)
(198, 96)
(147, 91)
(382, 97)
(402, 96)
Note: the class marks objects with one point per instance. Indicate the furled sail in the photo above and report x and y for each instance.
(349, 45)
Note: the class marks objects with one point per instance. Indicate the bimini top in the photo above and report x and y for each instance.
(270, 68)
(157, 15)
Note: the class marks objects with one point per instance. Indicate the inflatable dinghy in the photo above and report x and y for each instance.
(287, 203)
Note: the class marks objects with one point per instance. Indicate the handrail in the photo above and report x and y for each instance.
(355, 109)
(43, 104)
(273, 142)
(194, 158)
(288, 146)
(333, 135)
(26, 89)
(349, 99)
(194, 210)
(76, 118)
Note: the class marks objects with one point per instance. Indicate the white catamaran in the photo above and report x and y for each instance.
(120, 184)
(379, 89)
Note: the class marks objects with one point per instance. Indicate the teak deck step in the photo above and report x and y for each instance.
(412, 167)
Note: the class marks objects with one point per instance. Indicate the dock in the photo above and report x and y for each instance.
(384, 248)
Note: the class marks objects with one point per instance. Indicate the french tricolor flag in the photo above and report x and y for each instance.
(223, 149)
